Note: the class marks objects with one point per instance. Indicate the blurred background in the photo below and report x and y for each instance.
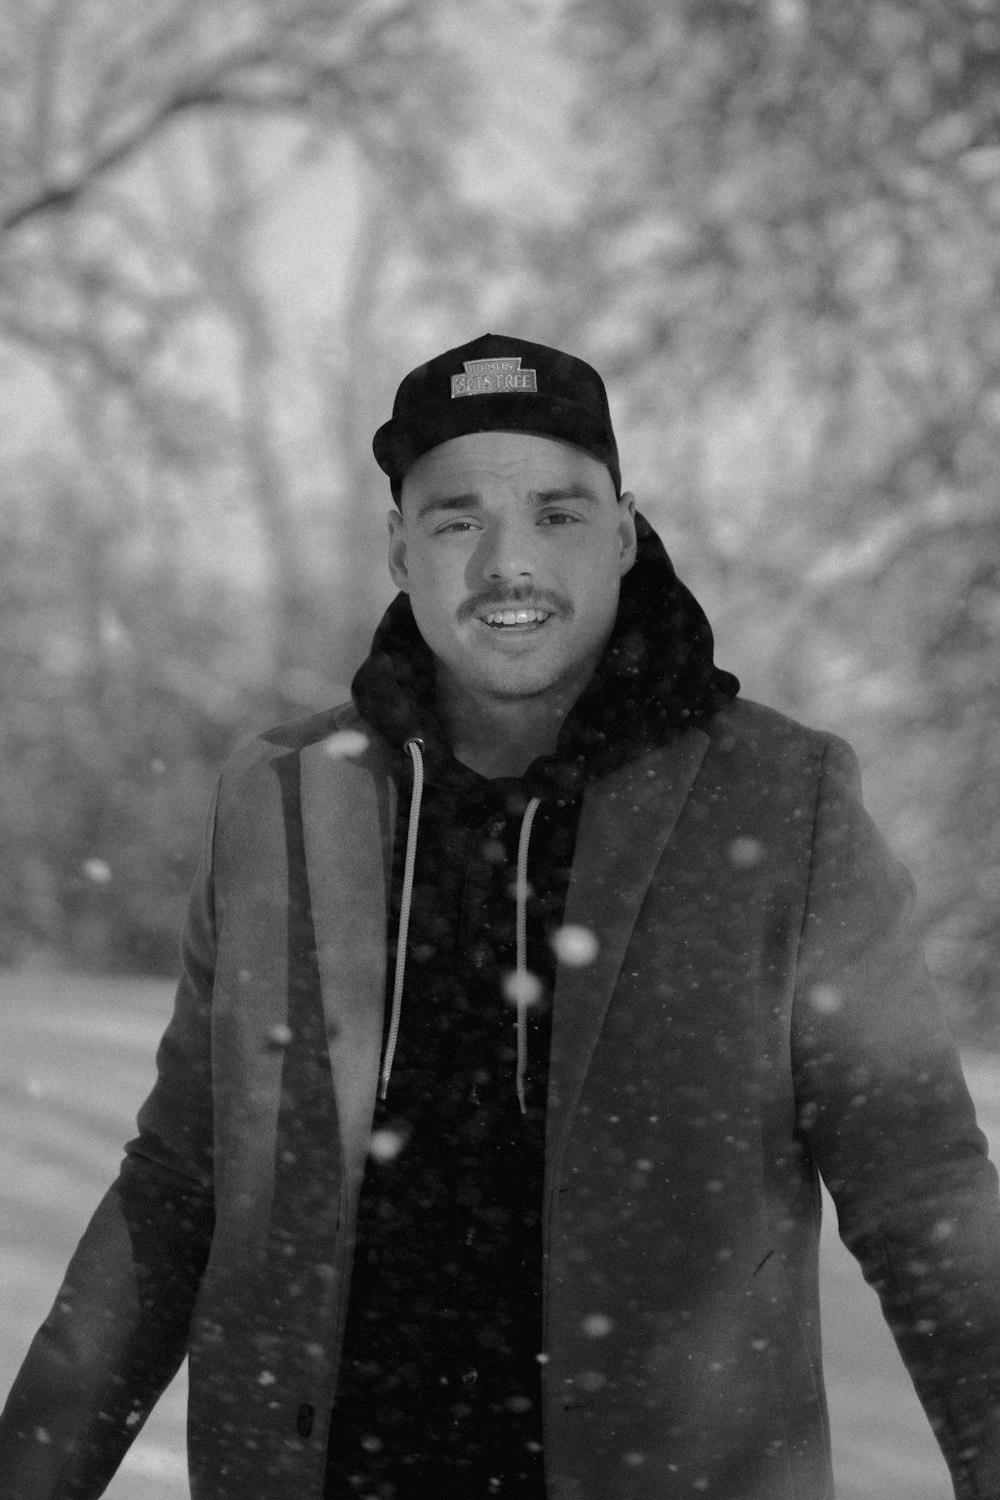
(229, 227)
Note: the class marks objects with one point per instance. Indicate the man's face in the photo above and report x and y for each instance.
(512, 548)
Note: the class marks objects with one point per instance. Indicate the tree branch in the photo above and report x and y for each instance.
(228, 86)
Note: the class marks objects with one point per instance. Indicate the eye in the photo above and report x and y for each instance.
(557, 518)
(455, 527)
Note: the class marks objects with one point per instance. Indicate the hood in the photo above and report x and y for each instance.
(657, 678)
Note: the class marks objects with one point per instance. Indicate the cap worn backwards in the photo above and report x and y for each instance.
(496, 383)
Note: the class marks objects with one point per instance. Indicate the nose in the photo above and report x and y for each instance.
(505, 553)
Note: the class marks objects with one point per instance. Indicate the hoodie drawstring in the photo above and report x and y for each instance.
(413, 746)
(521, 976)
(522, 979)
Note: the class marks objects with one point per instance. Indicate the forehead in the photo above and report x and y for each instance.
(477, 461)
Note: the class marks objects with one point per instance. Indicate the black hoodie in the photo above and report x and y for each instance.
(440, 1379)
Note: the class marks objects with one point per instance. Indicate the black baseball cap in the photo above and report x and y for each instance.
(497, 383)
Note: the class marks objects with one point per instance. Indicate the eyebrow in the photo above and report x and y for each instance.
(565, 492)
(472, 499)
(468, 501)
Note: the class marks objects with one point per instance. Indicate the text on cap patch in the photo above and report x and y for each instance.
(486, 377)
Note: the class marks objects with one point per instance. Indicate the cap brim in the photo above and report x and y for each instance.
(398, 445)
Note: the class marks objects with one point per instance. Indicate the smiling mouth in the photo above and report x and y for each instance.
(504, 619)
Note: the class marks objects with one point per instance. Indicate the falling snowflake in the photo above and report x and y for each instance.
(825, 998)
(518, 1403)
(522, 987)
(574, 946)
(97, 870)
(345, 744)
(744, 853)
(385, 1145)
(597, 1325)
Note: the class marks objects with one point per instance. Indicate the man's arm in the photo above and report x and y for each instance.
(885, 1111)
(114, 1339)
(117, 1331)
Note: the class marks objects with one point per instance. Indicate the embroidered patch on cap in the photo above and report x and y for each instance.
(490, 377)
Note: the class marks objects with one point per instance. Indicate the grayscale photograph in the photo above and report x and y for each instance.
(500, 724)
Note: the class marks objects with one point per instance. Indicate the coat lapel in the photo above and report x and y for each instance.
(625, 823)
(348, 811)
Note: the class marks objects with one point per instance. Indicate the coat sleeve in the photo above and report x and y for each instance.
(885, 1111)
(117, 1331)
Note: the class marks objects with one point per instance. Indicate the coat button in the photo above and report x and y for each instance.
(304, 1419)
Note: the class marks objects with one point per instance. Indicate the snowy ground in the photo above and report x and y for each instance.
(76, 1058)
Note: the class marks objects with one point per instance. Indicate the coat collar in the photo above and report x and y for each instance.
(348, 818)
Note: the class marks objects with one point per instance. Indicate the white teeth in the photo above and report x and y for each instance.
(515, 616)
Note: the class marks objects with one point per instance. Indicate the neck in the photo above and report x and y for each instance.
(501, 737)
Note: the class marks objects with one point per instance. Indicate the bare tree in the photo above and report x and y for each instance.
(129, 195)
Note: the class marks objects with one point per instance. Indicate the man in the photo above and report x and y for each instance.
(523, 999)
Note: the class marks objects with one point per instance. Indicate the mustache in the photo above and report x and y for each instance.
(499, 597)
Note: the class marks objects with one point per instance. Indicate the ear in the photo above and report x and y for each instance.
(397, 552)
(626, 532)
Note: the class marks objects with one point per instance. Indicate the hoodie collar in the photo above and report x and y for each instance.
(656, 679)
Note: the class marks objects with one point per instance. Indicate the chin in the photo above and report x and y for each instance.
(510, 694)
(515, 689)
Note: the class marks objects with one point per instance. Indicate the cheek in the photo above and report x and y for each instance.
(434, 596)
(597, 582)
(419, 571)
